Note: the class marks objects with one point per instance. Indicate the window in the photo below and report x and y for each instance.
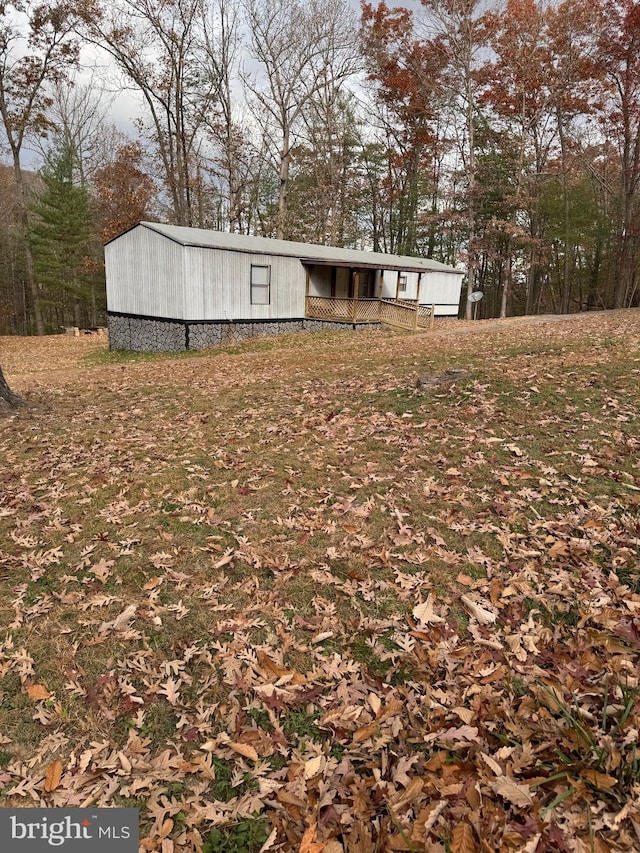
(402, 284)
(260, 285)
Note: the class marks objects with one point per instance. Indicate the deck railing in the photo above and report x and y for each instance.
(337, 308)
(425, 316)
(397, 314)
(401, 313)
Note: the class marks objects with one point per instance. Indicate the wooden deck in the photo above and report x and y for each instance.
(400, 313)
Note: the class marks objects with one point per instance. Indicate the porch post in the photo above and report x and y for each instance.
(306, 292)
(380, 293)
(356, 287)
(415, 319)
(397, 285)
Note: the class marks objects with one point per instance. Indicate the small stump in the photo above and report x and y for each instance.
(437, 379)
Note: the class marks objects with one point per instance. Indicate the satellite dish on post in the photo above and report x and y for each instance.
(476, 296)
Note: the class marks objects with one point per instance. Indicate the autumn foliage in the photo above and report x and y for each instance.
(123, 192)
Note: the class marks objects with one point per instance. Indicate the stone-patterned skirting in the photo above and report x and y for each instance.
(143, 334)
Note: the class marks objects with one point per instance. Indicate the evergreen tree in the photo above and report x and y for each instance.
(61, 239)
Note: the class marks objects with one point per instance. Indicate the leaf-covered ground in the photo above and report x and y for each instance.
(277, 598)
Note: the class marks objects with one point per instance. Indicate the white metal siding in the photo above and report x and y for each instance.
(150, 275)
(195, 272)
(441, 289)
(390, 282)
(226, 285)
(144, 274)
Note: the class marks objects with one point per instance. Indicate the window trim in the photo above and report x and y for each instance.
(402, 283)
(259, 287)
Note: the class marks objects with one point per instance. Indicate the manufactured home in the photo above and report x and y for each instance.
(171, 288)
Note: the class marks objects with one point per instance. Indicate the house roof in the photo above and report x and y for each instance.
(306, 252)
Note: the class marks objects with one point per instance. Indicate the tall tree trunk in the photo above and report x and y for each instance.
(285, 161)
(471, 206)
(565, 293)
(23, 217)
(625, 265)
(506, 282)
(535, 273)
(8, 400)
(626, 80)
(94, 308)
(231, 167)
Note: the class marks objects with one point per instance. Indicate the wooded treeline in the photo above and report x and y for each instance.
(502, 136)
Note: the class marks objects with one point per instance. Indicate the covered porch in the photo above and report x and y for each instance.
(347, 294)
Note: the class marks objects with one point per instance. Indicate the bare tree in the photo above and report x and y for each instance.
(233, 159)
(79, 112)
(158, 45)
(295, 43)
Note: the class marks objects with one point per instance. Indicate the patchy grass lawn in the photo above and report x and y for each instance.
(275, 598)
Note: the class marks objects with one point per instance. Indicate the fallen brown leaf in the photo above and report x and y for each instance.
(38, 692)
(53, 776)
(509, 789)
(245, 749)
(463, 839)
(307, 844)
